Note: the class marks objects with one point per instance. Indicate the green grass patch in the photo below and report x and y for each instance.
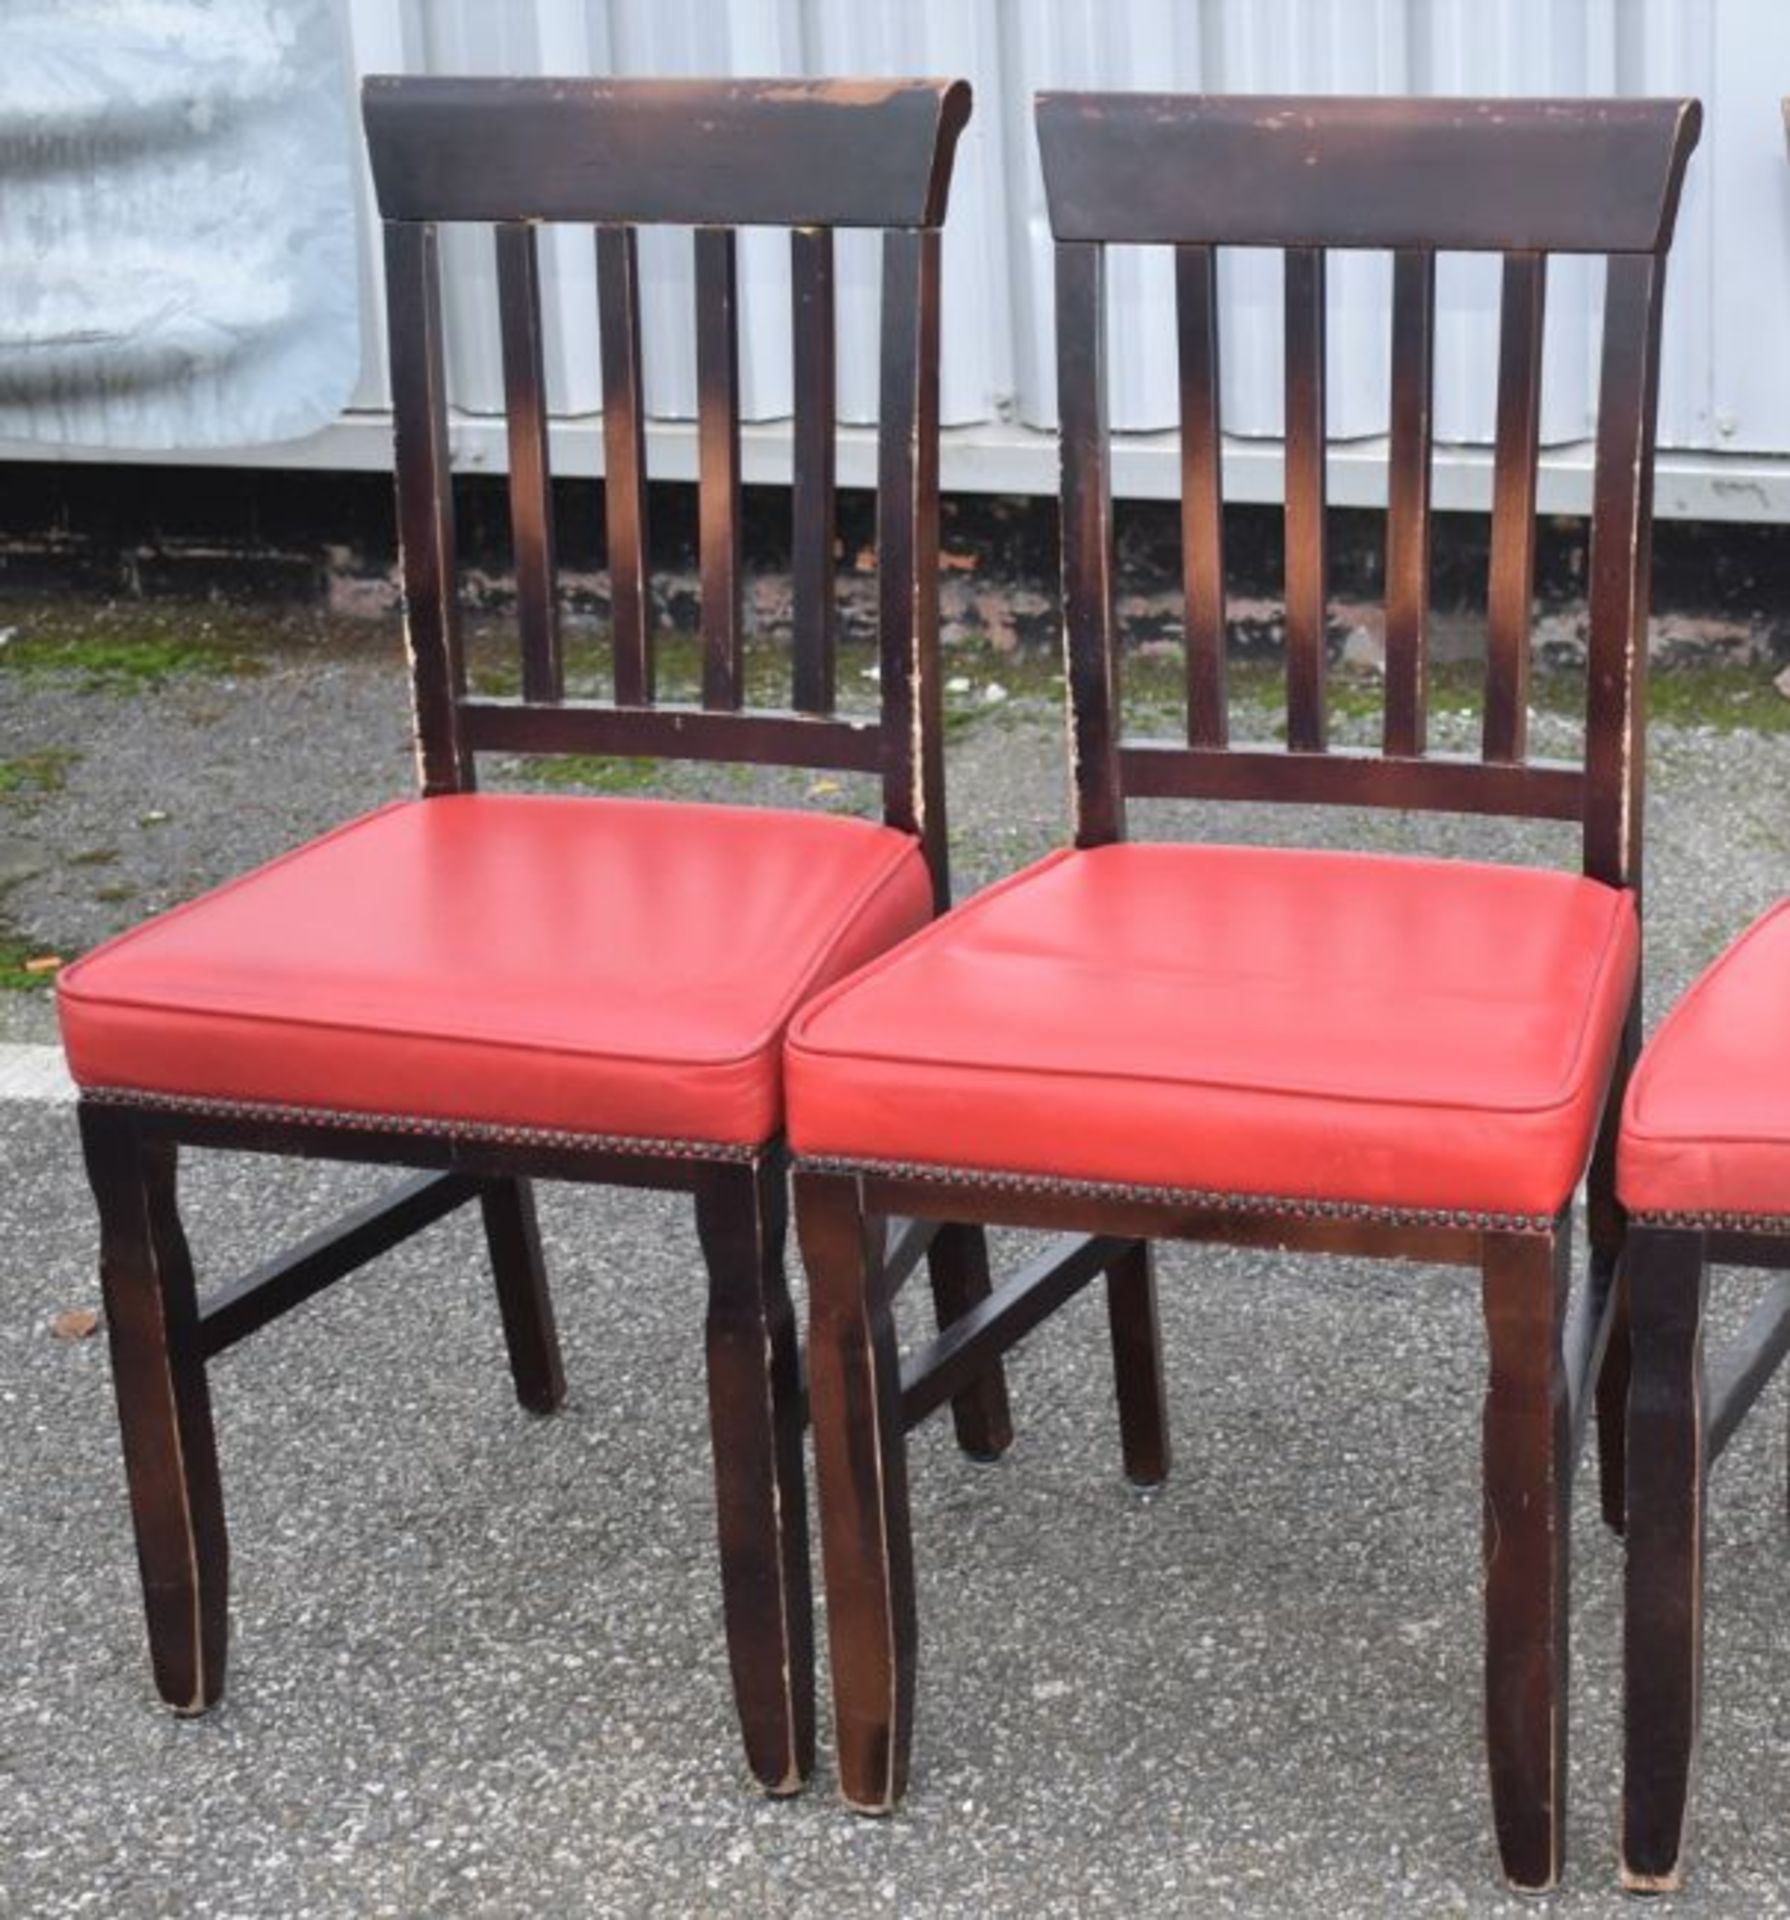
(591, 772)
(17, 973)
(42, 772)
(115, 649)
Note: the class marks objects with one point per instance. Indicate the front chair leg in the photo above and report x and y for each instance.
(755, 1420)
(517, 1265)
(1667, 1477)
(1528, 1463)
(164, 1407)
(957, 1262)
(860, 1456)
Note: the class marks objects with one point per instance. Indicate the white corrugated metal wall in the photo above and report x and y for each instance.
(1725, 417)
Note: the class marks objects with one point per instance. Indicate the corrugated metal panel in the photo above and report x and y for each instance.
(1726, 393)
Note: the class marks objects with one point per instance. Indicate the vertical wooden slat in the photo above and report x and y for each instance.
(1408, 502)
(425, 504)
(1088, 616)
(907, 538)
(624, 464)
(1621, 559)
(1202, 495)
(718, 468)
(531, 483)
(1307, 569)
(811, 506)
(1511, 590)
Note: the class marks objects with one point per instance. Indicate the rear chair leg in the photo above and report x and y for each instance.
(755, 1419)
(514, 1237)
(957, 1261)
(1604, 1219)
(1668, 1474)
(860, 1456)
(1528, 1462)
(164, 1407)
(1137, 1366)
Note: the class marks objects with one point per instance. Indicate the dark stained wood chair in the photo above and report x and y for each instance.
(1704, 1172)
(494, 988)
(1280, 1047)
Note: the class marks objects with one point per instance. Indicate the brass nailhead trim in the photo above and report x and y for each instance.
(502, 1136)
(1267, 1206)
(1765, 1223)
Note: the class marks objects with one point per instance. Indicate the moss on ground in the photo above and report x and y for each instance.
(118, 648)
(45, 771)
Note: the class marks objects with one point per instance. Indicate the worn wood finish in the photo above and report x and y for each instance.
(1621, 559)
(675, 733)
(718, 465)
(860, 1462)
(760, 1500)
(613, 154)
(812, 509)
(1305, 176)
(425, 505)
(907, 535)
(1137, 1366)
(1307, 585)
(531, 479)
(1547, 176)
(973, 1342)
(1408, 501)
(1202, 495)
(750, 153)
(1528, 1453)
(624, 464)
(519, 1267)
(1668, 1467)
(1511, 591)
(957, 1264)
(164, 1408)
(1344, 777)
(1089, 616)
(232, 1312)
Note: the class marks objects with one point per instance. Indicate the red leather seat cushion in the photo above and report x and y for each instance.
(1402, 1033)
(594, 965)
(1706, 1124)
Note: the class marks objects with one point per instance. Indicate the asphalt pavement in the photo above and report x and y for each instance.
(477, 1665)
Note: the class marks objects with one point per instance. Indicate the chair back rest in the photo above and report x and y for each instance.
(1520, 178)
(810, 156)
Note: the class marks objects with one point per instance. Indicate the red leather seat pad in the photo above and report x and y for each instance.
(1262, 1022)
(1706, 1123)
(601, 965)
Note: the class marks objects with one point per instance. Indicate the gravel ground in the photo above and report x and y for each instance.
(477, 1664)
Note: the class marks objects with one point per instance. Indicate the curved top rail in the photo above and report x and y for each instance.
(775, 153)
(1549, 176)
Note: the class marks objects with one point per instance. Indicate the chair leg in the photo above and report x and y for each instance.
(1528, 1464)
(1137, 1366)
(957, 1262)
(514, 1237)
(1668, 1474)
(860, 1454)
(755, 1422)
(164, 1407)
(1605, 1225)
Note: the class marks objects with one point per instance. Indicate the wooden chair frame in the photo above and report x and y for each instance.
(1682, 1412)
(806, 155)
(1414, 177)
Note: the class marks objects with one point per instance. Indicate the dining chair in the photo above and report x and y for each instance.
(493, 988)
(1285, 1048)
(1704, 1172)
